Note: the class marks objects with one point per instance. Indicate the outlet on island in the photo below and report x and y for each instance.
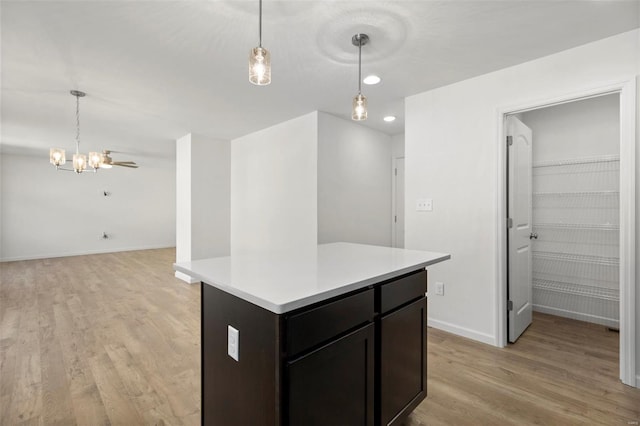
(439, 289)
(233, 339)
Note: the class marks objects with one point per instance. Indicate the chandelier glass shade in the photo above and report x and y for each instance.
(57, 157)
(79, 163)
(95, 160)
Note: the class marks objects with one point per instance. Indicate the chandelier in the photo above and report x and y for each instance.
(80, 161)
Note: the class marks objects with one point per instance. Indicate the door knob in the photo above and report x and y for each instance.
(533, 235)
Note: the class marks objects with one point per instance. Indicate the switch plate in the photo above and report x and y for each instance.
(233, 343)
(439, 289)
(424, 205)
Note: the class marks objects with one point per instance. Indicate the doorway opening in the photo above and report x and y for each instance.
(572, 253)
(567, 214)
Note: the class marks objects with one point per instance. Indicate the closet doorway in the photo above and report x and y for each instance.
(581, 227)
(576, 209)
(568, 205)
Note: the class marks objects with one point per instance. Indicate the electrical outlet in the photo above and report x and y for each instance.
(439, 289)
(233, 343)
(424, 204)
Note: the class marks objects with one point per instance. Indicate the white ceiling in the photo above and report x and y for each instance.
(156, 70)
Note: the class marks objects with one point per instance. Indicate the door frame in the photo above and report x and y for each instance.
(627, 91)
(394, 177)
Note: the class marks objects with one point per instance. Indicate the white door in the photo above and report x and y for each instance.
(519, 212)
(399, 203)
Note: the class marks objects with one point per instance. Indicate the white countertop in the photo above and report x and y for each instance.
(283, 281)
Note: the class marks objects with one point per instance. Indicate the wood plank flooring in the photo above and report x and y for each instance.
(98, 340)
(115, 339)
(560, 372)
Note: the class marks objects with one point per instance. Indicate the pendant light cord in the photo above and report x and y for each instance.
(359, 65)
(77, 124)
(260, 26)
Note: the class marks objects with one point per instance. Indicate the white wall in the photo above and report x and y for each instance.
(397, 145)
(211, 197)
(1, 202)
(451, 146)
(49, 213)
(586, 128)
(354, 183)
(638, 223)
(183, 200)
(274, 187)
(203, 186)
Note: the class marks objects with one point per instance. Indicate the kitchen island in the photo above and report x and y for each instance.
(333, 335)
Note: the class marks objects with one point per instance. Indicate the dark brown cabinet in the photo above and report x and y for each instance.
(403, 361)
(333, 385)
(356, 359)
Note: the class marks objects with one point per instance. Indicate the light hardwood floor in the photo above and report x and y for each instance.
(560, 372)
(114, 339)
(100, 339)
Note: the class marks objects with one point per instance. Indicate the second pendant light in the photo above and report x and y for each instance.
(359, 112)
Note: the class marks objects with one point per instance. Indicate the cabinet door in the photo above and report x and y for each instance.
(403, 361)
(333, 385)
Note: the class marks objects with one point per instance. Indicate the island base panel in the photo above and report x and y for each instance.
(363, 373)
(243, 392)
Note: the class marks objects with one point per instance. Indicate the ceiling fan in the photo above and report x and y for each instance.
(107, 161)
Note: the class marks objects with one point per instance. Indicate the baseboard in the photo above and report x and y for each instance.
(82, 253)
(462, 331)
(608, 322)
(186, 278)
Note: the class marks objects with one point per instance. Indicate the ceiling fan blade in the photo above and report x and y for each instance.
(109, 151)
(131, 166)
(123, 162)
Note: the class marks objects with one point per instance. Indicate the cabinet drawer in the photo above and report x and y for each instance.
(314, 326)
(402, 290)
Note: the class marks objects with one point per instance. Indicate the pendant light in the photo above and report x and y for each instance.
(260, 60)
(359, 112)
(80, 161)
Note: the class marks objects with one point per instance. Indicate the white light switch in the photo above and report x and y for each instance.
(233, 343)
(424, 205)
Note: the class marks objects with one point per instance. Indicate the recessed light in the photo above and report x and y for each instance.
(371, 79)
(389, 118)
